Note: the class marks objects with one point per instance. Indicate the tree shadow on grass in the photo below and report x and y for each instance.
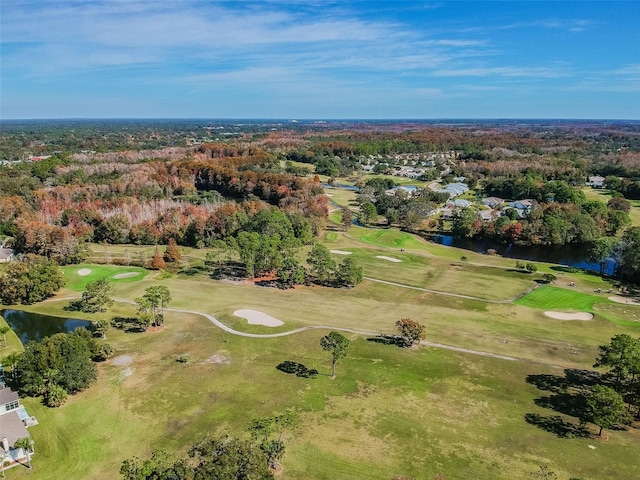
(568, 397)
(229, 271)
(194, 270)
(297, 369)
(557, 425)
(127, 324)
(550, 383)
(389, 340)
(567, 403)
(573, 379)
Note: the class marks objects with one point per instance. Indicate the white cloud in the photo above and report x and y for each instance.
(70, 36)
(510, 71)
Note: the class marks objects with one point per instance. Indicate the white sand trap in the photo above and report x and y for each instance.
(126, 275)
(340, 252)
(569, 316)
(389, 259)
(83, 272)
(626, 300)
(258, 318)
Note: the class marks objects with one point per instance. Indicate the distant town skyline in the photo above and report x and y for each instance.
(319, 59)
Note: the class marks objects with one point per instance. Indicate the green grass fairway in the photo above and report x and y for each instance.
(391, 238)
(391, 411)
(549, 297)
(79, 282)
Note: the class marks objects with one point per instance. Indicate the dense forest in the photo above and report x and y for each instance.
(66, 183)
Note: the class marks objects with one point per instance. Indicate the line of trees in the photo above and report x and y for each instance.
(30, 279)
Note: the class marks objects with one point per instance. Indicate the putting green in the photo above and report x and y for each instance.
(549, 298)
(78, 276)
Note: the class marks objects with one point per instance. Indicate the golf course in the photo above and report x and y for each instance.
(465, 404)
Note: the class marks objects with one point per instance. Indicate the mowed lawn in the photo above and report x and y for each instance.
(550, 297)
(418, 413)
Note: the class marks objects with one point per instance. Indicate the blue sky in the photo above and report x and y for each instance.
(319, 59)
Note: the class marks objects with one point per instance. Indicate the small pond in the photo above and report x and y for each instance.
(571, 255)
(33, 326)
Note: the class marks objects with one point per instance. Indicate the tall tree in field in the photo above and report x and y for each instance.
(368, 213)
(630, 253)
(172, 252)
(605, 408)
(349, 273)
(157, 261)
(322, 265)
(95, 298)
(621, 355)
(601, 249)
(263, 429)
(346, 218)
(410, 330)
(338, 345)
(159, 467)
(101, 327)
(154, 301)
(229, 459)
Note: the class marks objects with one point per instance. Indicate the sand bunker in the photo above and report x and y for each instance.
(626, 300)
(340, 252)
(569, 316)
(83, 272)
(258, 318)
(126, 275)
(388, 259)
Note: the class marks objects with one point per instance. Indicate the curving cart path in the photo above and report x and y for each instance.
(232, 331)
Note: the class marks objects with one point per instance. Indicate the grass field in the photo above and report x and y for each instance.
(414, 412)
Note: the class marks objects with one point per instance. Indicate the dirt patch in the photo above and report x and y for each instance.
(83, 272)
(218, 360)
(126, 275)
(127, 372)
(625, 300)
(388, 259)
(340, 252)
(255, 317)
(569, 316)
(122, 360)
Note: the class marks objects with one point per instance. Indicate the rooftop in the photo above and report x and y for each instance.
(7, 395)
(12, 428)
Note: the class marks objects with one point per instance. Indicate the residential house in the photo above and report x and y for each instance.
(410, 190)
(522, 206)
(450, 207)
(595, 182)
(488, 215)
(493, 202)
(459, 202)
(456, 189)
(14, 421)
(6, 255)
